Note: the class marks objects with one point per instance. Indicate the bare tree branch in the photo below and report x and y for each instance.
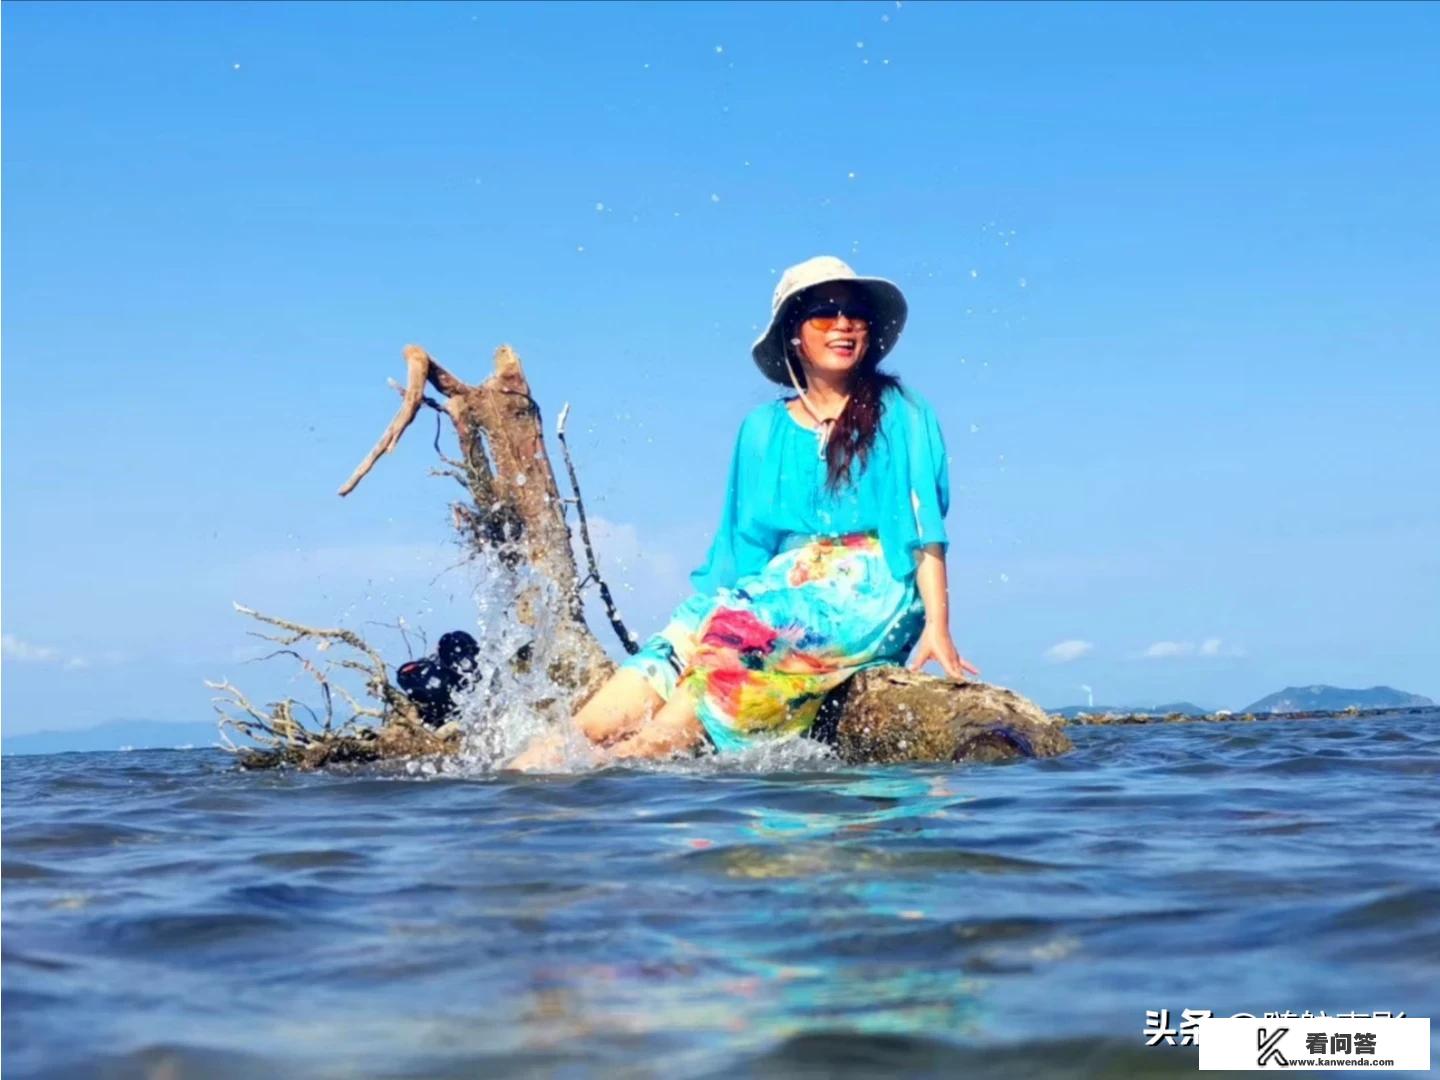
(319, 677)
(420, 368)
(418, 364)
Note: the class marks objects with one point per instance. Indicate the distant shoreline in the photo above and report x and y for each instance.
(1093, 719)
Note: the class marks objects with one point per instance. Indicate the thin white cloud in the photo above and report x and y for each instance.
(1063, 652)
(15, 648)
(1165, 650)
(27, 652)
(1171, 650)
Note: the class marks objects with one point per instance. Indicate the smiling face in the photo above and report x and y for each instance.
(835, 340)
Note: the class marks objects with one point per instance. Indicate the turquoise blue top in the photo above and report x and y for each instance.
(777, 491)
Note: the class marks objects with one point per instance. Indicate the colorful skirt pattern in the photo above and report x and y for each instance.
(759, 658)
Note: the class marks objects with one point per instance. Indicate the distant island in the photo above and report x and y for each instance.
(1336, 698)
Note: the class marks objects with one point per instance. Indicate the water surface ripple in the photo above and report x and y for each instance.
(165, 914)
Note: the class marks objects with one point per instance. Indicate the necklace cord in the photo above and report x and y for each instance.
(823, 427)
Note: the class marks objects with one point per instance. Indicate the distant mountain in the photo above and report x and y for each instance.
(1335, 698)
(1185, 707)
(116, 735)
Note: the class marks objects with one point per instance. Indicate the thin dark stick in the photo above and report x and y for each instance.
(627, 639)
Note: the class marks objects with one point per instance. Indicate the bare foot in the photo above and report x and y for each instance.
(546, 753)
(674, 732)
(556, 751)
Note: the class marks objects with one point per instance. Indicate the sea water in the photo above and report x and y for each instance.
(166, 915)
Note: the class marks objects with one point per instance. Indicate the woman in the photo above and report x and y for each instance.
(830, 555)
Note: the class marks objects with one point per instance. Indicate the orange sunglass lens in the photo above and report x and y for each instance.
(826, 323)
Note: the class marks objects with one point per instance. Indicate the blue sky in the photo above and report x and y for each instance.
(1171, 273)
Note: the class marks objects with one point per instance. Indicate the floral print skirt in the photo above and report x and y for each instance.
(759, 658)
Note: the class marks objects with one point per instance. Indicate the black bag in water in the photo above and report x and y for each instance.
(432, 681)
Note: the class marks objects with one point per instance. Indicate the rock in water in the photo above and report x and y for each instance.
(892, 715)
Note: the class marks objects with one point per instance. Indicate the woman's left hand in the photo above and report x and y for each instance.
(935, 644)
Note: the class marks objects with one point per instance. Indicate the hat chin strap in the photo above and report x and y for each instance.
(824, 427)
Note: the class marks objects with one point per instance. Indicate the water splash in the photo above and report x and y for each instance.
(505, 706)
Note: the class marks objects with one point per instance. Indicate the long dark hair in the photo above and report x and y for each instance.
(853, 434)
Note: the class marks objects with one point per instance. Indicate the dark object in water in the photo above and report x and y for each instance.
(999, 742)
(432, 681)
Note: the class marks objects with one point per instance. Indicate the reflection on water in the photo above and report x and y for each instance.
(166, 915)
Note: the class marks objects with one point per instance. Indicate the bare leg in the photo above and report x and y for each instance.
(619, 707)
(674, 729)
(614, 711)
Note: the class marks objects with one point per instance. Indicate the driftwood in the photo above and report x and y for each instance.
(390, 728)
(515, 510)
(515, 515)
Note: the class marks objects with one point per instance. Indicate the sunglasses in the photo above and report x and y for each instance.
(823, 317)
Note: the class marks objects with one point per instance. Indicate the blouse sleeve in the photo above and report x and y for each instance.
(929, 480)
(731, 555)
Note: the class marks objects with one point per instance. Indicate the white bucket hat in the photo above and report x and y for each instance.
(887, 309)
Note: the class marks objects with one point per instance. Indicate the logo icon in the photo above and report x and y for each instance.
(1269, 1048)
